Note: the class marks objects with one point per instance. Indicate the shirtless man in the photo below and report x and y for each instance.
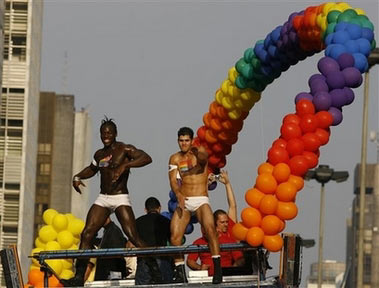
(113, 161)
(190, 164)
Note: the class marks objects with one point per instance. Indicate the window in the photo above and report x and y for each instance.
(44, 148)
(44, 169)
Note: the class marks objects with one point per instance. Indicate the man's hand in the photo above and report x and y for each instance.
(76, 182)
(117, 172)
(205, 267)
(224, 177)
(180, 197)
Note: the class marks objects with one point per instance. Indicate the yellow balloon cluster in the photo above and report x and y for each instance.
(234, 99)
(61, 232)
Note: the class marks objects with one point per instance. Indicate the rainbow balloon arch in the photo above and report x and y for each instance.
(347, 36)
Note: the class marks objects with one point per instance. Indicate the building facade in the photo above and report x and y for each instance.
(55, 155)
(19, 124)
(2, 13)
(371, 233)
(332, 274)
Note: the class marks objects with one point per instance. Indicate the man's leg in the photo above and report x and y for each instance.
(178, 226)
(95, 220)
(205, 216)
(127, 220)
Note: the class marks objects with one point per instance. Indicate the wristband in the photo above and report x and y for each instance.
(76, 178)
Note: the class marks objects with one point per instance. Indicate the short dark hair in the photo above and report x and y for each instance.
(217, 213)
(151, 204)
(185, 131)
(108, 122)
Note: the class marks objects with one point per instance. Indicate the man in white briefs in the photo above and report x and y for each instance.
(113, 161)
(190, 164)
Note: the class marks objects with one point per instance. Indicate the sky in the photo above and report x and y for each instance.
(154, 66)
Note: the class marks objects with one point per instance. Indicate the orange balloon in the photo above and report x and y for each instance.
(271, 224)
(251, 217)
(268, 204)
(39, 284)
(54, 282)
(281, 172)
(255, 236)
(273, 243)
(282, 225)
(35, 276)
(210, 137)
(286, 210)
(213, 108)
(266, 183)
(253, 197)
(297, 181)
(239, 231)
(215, 124)
(207, 119)
(265, 168)
(286, 192)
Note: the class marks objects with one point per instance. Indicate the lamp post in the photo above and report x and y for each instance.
(373, 60)
(323, 174)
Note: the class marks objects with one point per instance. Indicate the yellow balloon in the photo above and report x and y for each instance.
(66, 274)
(76, 240)
(34, 266)
(48, 216)
(70, 217)
(56, 265)
(343, 5)
(34, 251)
(247, 105)
(218, 97)
(234, 91)
(60, 222)
(67, 264)
(246, 95)
(327, 7)
(225, 86)
(360, 11)
(65, 239)
(238, 103)
(73, 247)
(52, 245)
(234, 114)
(227, 103)
(256, 96)
(76, 227)
(233, 74)
(39, 243)
(47, 233)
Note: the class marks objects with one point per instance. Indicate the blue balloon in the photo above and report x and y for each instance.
(189, 229)
(368, 34)
(360, 62)
(341, 37)
(273, 51)
(352, 46)
(266, 70)
(354, 30)
(172, 206)
(194, 219)
(258, 47)
(167, 214)
(341, 26)
(263, 56)
(267, 41)
(329, 39)
(172, 196)
(275, 34)
(337, 50)
(364, 46)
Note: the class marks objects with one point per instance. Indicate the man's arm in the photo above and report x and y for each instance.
(86, 173)
(192, 262)
(135, 158)
(232, 211)
(201, 161)
(173, 170)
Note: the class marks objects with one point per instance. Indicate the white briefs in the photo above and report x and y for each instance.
(112, 202)
(194, 202)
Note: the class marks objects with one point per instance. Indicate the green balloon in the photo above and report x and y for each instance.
(240, 82)
(333, 16)
(373, 44)
(367, 24)
(240, 65)
(256, 85)
(248, 55)
(256, 63)
(330, 29)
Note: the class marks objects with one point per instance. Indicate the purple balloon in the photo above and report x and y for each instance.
(346, 60)
(318, 85)
(335, 80)
(349, 95)
(303, 95)
(327, 65)
(338, 98)
(336, 114)
(322, 101)
(316, 77)
(353, 77)
(293, 37)
(337, 50)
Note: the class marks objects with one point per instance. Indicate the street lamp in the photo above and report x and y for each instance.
(373, 59)
(323, 174)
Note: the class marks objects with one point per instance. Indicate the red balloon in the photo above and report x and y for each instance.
(277, 155)
(304, 107)
(214, 159)
(280, 143)
(322, 135)
(295, 146)
(308, 123)
(312, 159)
(325, 119)
(201, 133)
(298, 165)
(217, 147)
(291, 118)
(311, 142)
(290, 130)
(222, 162)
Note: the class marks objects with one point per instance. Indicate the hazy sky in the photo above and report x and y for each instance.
(154, 66)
